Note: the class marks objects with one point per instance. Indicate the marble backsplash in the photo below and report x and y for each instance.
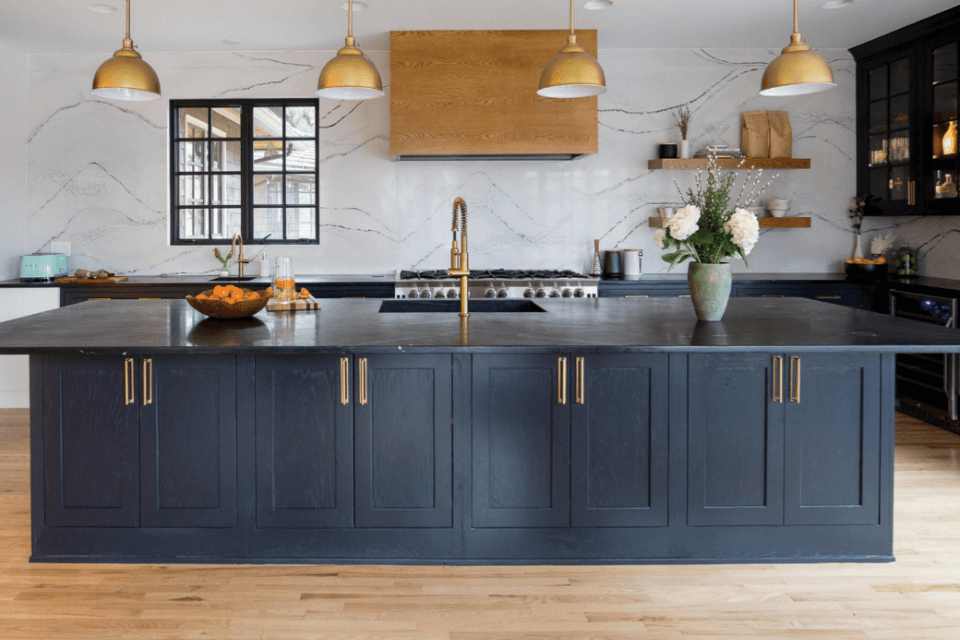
(97, 170)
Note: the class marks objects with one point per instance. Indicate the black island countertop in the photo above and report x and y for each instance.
(750, 324)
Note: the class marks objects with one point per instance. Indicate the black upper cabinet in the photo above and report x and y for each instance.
(907, 89)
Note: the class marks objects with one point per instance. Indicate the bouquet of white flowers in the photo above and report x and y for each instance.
(706, 229)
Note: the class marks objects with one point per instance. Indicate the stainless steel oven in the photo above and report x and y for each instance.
(927, 383)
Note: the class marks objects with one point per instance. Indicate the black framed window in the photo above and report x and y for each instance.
(244, 166)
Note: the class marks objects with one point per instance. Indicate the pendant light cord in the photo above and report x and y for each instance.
(128, 19)
(796, 18)
(572, 32)
(349, 18)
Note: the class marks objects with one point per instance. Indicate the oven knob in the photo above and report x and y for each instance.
(490, 293)
(567, 293)
(413, 294)
(452, 293)
(502, 293)
(580, 293)
(555, 293)
(528, 293)
(541, 293)
(426, 294)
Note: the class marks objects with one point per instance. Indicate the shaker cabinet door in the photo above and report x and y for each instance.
(735, 440)
(520, 442)
(304, 442)
(404, 440)
(188, 448)
(619, 441)
(832, 440)
(90, 442)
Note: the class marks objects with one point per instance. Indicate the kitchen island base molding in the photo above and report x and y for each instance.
(507, 456)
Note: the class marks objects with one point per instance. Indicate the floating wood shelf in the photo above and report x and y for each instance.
(731, 163)
(768, 223)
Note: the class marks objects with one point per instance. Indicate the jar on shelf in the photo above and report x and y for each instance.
(906, 261)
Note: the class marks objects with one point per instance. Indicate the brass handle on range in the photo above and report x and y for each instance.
(147, 381)
(777, 382)
(562, 381)
(794, 379)
(363, 381)
(578, 393)
(129, 392)
(828, 297)
(344, 381)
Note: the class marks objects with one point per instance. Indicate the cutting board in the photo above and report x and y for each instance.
(110, 280)
(309, 304)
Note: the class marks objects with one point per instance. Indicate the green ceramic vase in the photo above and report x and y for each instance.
(709, 289)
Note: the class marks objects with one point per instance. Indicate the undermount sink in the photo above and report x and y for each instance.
(233, 278)
(453, 306)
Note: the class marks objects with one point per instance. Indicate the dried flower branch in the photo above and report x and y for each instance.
(683, 118)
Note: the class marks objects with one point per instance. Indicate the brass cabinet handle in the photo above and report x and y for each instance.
(99, 298)
(912, 193)
(363, 381)
(773, 295)
(344, 381)
(684, 295)
(147, 381)
(128, 388)
(636, 296)
(562, 381)
(578, 396)
(149, 298)
(777, 381)
(828, 297)
(795, 379)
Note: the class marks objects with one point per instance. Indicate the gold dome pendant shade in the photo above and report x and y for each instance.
(797, 70)
(572, 73)
(350, 75)
(126, 76)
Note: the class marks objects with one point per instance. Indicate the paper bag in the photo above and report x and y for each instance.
(755, 135)
(781, 134)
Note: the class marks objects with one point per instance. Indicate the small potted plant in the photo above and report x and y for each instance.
(683, 118)
(225, 270)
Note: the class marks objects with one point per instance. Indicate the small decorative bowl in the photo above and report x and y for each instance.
(223, 310)
(777, 207)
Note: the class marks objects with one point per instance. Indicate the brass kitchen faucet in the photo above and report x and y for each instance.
(459, 259)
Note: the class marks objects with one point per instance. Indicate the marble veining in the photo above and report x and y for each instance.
(97, 171)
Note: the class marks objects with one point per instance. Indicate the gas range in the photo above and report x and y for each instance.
(498, 283)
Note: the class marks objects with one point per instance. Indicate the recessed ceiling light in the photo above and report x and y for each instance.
(230, 41)
(102, 8)
(357, 6)
(837, 4)
(597, 5)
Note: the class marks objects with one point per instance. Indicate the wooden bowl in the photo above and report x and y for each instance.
(222, 310)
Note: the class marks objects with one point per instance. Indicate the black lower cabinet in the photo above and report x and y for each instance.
(784, 439)
(735, 446)
(832, 439)
(304, 440)
(497, 457)
(91, 443)
(520, 441)
(404, 441)
(619, 447)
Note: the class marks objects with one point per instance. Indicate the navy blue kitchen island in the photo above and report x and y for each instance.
(590, 431)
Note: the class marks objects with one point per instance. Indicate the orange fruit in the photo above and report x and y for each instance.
(220, 291)
(236, 294)
(304, 293)
(269, 291)
(284, 283)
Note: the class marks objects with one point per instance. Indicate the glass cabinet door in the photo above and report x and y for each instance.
(943, 126)
(890, 143)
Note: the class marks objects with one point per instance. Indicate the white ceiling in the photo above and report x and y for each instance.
(68, 26)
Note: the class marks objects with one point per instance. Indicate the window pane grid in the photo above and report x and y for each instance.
(209, 199)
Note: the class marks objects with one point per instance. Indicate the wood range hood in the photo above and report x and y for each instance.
(472, 95)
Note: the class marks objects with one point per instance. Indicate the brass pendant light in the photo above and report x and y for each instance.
(126, 76)
(350, 75)
(572, 73)
(797, 70)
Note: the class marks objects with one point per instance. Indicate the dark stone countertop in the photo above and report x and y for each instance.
(181, 280)
(679, 277)
(603, 324)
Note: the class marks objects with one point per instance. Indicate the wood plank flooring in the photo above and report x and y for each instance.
(918, 596)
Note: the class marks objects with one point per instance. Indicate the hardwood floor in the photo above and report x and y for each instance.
(918, 596)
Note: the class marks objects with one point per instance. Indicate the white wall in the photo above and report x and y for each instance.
(97, 171)
(13, 126)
